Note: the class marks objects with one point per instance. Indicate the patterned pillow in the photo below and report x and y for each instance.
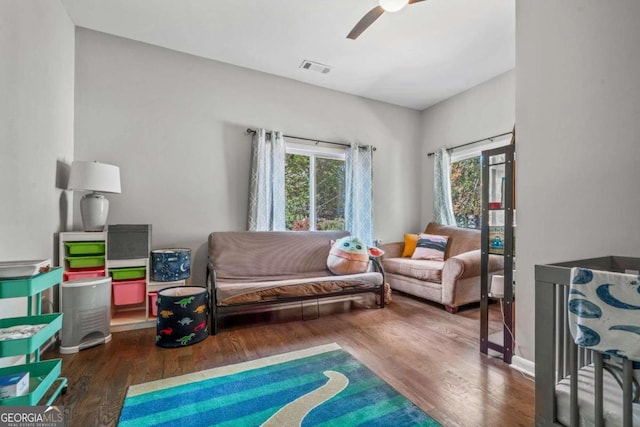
(410, 242)
(431, 246)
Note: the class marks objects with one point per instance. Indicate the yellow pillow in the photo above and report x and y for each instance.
(410, 242)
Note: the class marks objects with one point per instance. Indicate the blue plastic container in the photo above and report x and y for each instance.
(169, 265)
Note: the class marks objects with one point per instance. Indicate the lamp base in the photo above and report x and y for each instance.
(94, 209)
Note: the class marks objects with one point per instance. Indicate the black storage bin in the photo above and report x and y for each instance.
(128, 241)
(182, 316)
(168, 265)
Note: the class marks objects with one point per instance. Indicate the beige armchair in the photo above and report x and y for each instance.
(453, 282)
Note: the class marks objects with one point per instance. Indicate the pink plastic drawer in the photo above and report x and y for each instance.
(153, 308)
(127, 292)
(82, 274)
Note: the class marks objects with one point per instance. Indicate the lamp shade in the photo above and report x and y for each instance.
(393, 5)
(94, 176)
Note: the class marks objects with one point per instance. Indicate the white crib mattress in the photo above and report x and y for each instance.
(612, 400)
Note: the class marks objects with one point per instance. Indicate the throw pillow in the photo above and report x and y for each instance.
(350, 256)
(410, 242)
(431, 246)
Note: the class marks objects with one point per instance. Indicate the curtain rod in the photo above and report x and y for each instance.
(473, 142)
(249, 130)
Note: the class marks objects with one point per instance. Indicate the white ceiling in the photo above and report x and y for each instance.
(417, 57)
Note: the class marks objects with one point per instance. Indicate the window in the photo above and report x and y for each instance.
(466, 181)
(314, 188)
(466, 192)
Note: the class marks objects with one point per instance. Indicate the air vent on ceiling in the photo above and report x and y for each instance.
(315, 66)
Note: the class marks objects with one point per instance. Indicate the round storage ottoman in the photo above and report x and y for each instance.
(182, 316)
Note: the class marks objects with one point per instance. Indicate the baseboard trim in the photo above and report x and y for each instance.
(524, 365)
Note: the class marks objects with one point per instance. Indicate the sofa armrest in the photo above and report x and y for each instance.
(463, 266)
(467, 264)
(210, 284)
(496, 263)
(377, 265)
(392, 250)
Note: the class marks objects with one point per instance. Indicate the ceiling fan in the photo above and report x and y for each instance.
(373, 14)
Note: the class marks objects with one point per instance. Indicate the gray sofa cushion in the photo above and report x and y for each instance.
(271, 255)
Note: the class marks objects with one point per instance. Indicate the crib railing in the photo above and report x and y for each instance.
(557, 356)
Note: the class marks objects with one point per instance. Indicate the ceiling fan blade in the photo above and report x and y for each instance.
(364, 23)
(414, 1)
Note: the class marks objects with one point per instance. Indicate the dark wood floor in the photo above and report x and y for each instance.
(427, 354)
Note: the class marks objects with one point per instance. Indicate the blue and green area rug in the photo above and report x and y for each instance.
(319, 386)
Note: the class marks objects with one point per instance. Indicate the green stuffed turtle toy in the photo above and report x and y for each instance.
(349, 255)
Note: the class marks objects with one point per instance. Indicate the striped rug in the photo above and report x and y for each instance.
(319, 386)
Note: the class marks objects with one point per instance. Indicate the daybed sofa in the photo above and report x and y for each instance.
(249, 268)
(453, 282)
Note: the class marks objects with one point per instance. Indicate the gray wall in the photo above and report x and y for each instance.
(36, 130)
(578, 118)
(485, 110)
(175, 124)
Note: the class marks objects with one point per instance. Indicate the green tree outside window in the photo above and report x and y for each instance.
(327, 193)
(466, 192)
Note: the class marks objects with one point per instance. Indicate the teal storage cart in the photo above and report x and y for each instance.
(42, 375)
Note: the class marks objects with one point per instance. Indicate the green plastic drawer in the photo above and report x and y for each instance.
(20, 346)
(85, 248)
(85, 261)
(128, 273)
(41, 377)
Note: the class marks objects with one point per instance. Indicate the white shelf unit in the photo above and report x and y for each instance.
(136, 316)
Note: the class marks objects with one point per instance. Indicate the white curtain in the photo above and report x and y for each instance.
(442, 204)
(358, 210)
(267, 198)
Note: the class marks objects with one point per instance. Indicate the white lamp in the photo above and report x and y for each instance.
(393, 5)
(95, 177)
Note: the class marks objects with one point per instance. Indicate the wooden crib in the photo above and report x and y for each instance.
(571, 388)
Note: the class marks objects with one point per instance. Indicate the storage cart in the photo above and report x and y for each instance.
(42, 374)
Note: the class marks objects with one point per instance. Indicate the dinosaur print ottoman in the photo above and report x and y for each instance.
(182, 316)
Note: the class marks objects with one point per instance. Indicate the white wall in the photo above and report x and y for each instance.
(485, 110)
(578, 123)
(36, 130)
(175, 124)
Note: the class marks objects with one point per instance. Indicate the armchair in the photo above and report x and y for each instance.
(453, 282)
